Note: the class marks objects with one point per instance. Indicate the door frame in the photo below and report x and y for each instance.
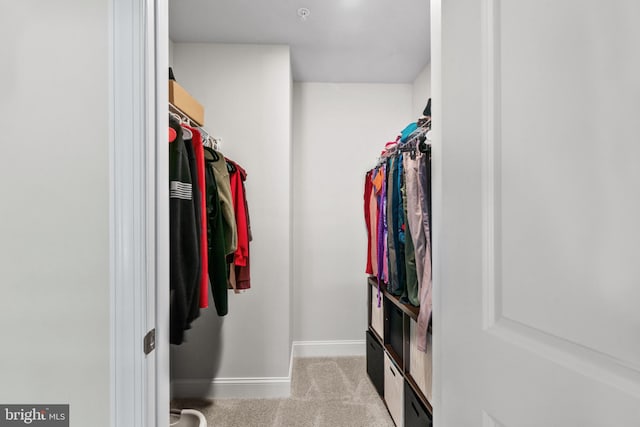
(139, 209)
(138, 213)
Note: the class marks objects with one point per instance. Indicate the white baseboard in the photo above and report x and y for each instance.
(239, 388)
(264, 387)
(335, 348)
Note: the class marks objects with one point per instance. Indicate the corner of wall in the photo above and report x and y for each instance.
(291, 214)
(421, 90)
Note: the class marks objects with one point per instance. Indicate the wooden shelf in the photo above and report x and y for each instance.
(375, 334)
(394, 356)
(410, 310)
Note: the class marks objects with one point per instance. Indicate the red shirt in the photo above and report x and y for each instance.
(241, 255)
(198, 150)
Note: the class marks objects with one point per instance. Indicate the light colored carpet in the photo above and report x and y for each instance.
(325, 392)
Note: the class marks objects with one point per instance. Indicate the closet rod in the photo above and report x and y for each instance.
(185, 118)
(183, 115)
(417, 134)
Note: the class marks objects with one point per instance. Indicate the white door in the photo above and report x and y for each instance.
(537, 213)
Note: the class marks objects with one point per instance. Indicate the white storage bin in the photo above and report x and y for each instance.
(377, 313)
(394, 390)
(420, 363)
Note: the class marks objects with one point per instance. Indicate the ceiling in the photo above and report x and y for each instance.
(365, 41)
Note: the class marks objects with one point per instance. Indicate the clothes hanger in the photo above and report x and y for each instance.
(183, 120)
(423, 146)
(186, 133)
(205, 136)
(210, 155)
(231, 168)
(175, 116)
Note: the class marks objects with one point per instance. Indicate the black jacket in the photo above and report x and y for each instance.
(184, 249)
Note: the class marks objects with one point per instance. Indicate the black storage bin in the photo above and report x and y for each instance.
(415, 415)
(394, 337)
(375, 363)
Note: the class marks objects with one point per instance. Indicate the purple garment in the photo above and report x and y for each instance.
(385, 228)
(382, 232)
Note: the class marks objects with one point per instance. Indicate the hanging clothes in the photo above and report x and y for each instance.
(368, 187)
(373, 221)
(400, 190)
(197, 197)
(216, 250)
(426, 287)
(184, 247)
(399, 225)
(393, 242)
(237, 177)
(379, 184)
(418, 176)
(221, 174)
(411, 275)
(376, 184)
(200, 200)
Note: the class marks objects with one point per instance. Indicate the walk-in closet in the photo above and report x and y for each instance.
(306, 96)
(283, 230)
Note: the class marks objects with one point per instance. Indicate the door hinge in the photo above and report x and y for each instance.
(150, 341)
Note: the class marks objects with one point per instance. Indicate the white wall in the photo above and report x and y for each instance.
(246, 91)
(421, 91)
(171, 48)
(339, 130)
(54, 246)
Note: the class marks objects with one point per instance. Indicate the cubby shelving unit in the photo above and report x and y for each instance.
(399, 371)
